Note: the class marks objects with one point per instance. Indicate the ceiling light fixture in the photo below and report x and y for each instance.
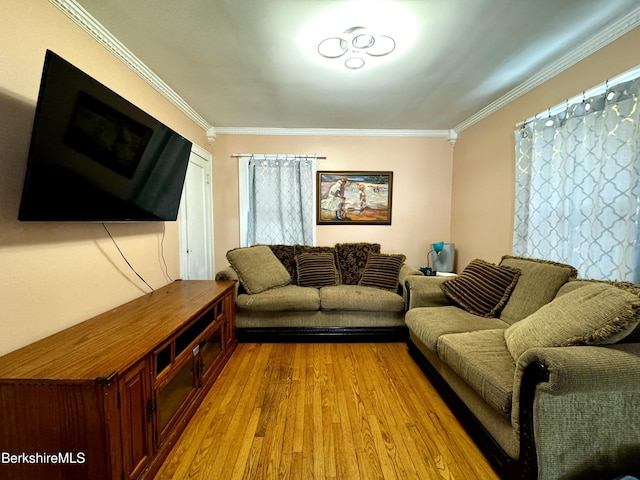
(356, 43)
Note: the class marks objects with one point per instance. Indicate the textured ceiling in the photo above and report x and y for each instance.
(253, 63)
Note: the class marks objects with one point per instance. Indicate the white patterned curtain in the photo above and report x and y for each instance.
(578, 186)
(281, 200)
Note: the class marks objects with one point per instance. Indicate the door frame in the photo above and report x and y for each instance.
(183, 218)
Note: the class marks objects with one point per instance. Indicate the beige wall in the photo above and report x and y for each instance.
(421, 187)
(483, 166)
(53, 275)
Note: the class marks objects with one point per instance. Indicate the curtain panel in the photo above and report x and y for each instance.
(281, 200)
(578, 186)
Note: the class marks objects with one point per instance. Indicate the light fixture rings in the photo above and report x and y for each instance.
(357, 41)
(363, 41)
(383, 45)
(354, 63)
(333, 47)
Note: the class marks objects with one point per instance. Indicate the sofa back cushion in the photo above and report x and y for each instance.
(537, 285)
(482, 288)
(595, 314)
(258, 268)
(352, 260)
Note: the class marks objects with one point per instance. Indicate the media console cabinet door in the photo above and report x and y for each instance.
(136, 419)
(53, 431)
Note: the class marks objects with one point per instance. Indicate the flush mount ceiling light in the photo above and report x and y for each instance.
(355, 45)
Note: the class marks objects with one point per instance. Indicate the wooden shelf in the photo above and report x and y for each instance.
(93, 389)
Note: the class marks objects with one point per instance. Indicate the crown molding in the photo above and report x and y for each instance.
(331, 132)
(94, 28)
(607, 35)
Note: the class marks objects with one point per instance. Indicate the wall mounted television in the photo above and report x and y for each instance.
(96, 157)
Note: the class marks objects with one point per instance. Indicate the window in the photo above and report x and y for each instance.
(277, 198)
(578, 185)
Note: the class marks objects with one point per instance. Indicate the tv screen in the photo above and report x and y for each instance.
(96, 157)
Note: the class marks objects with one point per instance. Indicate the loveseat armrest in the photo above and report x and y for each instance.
(405, 272)
(227, 274)
(583, 418)
(425, 292)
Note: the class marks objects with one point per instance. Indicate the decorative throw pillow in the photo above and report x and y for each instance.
(258, 268)
(287, 256)
(482, 288)
(382, 271)
(316, 270)
(352, 259)
(314, 249)
(591, 315)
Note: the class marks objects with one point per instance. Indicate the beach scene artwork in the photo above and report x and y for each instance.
(354, 198)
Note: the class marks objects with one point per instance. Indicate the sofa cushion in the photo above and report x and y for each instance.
(316, 269)
(430, 323)
(537, 285)
(381, 271)
(482, 288)
(634, 336)
(258, 268)
(592, 315)
(483, 361)
(287, 256)
(352, 259)
(358, 298)
(290, 298)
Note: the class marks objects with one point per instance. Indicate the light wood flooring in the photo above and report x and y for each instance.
(323, 411)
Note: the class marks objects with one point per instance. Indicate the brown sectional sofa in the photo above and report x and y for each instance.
(549, 383)
(297, 293)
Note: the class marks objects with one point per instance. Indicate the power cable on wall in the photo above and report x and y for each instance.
(125, 258)
(166, 269)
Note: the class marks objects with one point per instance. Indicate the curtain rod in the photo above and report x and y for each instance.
(591, 92)
(239, 155)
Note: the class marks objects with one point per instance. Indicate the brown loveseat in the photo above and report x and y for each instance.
(543, 369)
(296, 292)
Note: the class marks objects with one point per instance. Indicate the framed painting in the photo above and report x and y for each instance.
(354, 198)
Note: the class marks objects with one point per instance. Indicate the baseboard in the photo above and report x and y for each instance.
(322, 334)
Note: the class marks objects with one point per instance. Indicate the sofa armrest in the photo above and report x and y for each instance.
(586, 368)
(227, 274)
(406, 271)
(583, 418)
(425, 292)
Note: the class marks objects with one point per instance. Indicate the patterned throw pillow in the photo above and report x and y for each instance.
(316, 270)
(352, 259)
(286, 255)
(482, 288)
(381, 271)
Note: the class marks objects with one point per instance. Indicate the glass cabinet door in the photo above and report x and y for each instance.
(175, 393)
(210, 349)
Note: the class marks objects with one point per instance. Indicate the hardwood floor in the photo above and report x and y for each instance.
(323, 411)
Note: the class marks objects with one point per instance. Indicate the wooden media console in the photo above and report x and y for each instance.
(108, 398)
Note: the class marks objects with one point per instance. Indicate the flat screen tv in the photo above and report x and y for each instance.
(96, 157)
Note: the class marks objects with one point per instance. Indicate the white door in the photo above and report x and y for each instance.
(196, 219)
